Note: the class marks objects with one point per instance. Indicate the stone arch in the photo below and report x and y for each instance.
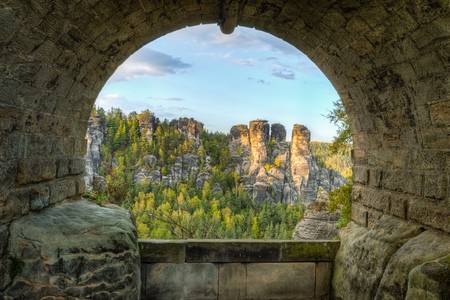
(388, 60)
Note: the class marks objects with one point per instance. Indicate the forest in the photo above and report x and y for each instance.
(219, 208)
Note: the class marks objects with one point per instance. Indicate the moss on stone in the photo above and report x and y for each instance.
(16, 267)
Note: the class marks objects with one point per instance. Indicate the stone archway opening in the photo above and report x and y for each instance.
(389, 62)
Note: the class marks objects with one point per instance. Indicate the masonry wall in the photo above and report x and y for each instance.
(237, 269)
(388, 60)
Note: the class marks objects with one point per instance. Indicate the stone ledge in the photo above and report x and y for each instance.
(227, 251)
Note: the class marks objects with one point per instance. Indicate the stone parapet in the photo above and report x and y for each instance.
(236, 269)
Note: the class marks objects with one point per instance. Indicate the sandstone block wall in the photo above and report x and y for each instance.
(236, 269)
(388, 60)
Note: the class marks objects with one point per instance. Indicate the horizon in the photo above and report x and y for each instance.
(223, 80)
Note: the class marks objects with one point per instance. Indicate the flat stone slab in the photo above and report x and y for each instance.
(76, 249)
(229, 251)
(180, 281)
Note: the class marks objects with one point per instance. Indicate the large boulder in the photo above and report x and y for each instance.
(74, 250)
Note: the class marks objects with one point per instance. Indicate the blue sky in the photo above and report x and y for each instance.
(223, 80)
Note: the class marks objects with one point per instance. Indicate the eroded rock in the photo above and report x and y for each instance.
(76, 249)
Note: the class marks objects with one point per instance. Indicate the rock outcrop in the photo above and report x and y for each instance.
(147, 124)
(275, 170)
(271, 169)
(190, 127)
(75, 250)
(259, 140)
(94, 139)
(318, 223)
(393, 259)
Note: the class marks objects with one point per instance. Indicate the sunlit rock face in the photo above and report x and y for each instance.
(259, 140)
(275, 170)
(301, 159)
(94, 139)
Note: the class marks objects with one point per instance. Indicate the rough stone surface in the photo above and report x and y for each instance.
(317, 222)
(362, 259)
(263, 281)
(181, 281)
(388, 60)
(422, 249)
(76, 249)
(94, 139)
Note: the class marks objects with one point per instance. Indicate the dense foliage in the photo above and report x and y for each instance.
(221, 208)
(326, 157)
(340, 147)
(342, 143)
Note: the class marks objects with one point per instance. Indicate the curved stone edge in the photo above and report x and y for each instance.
(385, 261)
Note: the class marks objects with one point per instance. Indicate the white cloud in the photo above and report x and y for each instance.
(148, 62)
(175, 99)
(109, 100)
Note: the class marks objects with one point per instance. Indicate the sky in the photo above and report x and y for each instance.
(223, 80)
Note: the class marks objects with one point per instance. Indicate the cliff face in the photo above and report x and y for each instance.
(94, 139)
(190, 127)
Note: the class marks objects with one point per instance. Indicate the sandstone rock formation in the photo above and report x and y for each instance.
(271, 168)
(94, 139)
(77, 249)
(147, 124)
(380, 262)
(275, 170)
(190, 127)
(317, 222)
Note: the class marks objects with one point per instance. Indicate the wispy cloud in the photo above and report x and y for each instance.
(174, 99)
(148, 62)
(284, 74)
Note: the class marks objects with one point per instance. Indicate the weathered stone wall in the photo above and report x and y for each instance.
(239, 269)
(388, 60)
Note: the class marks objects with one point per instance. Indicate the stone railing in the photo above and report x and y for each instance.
(236, 269)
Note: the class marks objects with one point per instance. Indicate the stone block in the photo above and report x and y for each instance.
(427, 212)
(323, 279)
(194, 281)
(232, 281)
(359, 214)
(440, 113)
(435, 185)
(35, 170)
(280, 280)
(62, 167)
(153, 251)
(399, 204)
(39, 197)
(62, 189)
(309, 251)
(77, 166)
(232, 251)
(375, 177)
(360, 174)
